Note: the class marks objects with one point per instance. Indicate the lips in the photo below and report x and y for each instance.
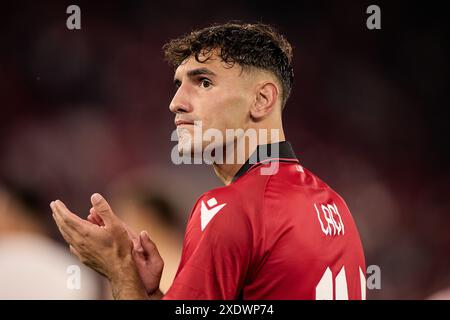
(183, 122)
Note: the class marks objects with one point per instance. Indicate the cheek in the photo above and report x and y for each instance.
(222, 110)
(236, 112)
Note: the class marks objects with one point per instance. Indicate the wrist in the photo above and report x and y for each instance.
(122, 268)
(126, 283)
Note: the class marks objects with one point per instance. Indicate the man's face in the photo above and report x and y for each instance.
(214, 93)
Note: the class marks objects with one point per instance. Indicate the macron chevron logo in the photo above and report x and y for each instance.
(208, 214)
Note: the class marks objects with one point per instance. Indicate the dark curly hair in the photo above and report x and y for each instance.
(250, 45)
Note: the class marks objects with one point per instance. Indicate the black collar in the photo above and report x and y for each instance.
(268, 153)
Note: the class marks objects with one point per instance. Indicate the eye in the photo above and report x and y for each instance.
(205, 83)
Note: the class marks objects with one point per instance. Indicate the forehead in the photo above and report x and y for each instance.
(214, 63)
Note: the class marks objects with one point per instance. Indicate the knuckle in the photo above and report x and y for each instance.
(84, 234)
(102, 207)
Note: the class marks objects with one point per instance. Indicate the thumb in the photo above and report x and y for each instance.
(148, 245)
(102, 208)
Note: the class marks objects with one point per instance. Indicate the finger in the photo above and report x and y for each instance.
(91, 219)
(102, 208)
(98, 219)
(58, 220)
(61, 228)
(70, 225)
(94, 218)
(75, 252)
(148, 245)
(70, 219)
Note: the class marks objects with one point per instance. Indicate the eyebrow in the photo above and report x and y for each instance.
(197, 72)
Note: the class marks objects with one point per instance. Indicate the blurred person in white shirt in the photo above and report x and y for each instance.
(32, 265)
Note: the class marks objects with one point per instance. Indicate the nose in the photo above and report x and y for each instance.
(180, 102)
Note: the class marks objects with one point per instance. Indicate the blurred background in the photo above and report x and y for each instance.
(86, 111)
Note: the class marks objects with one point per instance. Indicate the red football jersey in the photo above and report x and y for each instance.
(285, 235)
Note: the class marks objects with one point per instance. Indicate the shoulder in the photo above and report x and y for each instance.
(230, 211)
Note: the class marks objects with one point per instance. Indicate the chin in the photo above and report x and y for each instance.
(187, 147)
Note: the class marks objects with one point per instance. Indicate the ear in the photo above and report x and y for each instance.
(265, 100)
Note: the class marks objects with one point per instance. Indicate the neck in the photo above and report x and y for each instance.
(226, 171)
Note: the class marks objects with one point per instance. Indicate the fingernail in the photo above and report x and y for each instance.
(96, 197)
(145, 234)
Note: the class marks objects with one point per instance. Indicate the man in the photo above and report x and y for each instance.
(274, 231)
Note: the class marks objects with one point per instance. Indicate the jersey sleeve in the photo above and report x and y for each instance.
(217, 266)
